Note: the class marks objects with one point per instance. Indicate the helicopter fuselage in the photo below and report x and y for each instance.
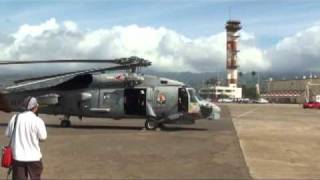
(118, 96)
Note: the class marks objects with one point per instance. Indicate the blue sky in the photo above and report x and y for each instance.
(269, 20)
(184, 35)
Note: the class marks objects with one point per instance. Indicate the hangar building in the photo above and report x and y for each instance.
(292, 91)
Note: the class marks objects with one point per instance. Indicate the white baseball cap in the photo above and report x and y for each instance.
(32, 103)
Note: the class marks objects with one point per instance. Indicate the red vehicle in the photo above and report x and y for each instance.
(312, 104)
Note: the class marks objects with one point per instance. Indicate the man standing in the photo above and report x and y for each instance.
(30, 129)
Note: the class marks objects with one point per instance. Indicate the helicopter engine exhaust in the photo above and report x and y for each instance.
(48, 99)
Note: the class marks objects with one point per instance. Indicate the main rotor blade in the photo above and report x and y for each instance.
(123, 64)
(121, 61)
(58, 61)
(33, 81)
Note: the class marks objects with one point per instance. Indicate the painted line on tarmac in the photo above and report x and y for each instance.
(242, 147)
(248, 112)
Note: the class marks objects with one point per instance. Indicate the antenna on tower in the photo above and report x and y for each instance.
(229, 12)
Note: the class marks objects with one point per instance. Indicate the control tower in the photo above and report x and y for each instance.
(232, 27)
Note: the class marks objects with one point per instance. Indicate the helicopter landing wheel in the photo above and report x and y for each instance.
(65, 123)
(162, 126)
(151, 124)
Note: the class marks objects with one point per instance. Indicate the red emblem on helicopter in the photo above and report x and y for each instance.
(161, 99)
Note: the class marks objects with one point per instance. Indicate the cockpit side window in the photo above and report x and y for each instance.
(193, 98)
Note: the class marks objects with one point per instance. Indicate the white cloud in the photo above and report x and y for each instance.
(251, 57)
(70, 26)
(26, 31)
(299, 52)
(167, 49)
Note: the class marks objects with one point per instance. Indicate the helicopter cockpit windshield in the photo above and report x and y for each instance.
(194, 103)
(194, 97)
(199, 105)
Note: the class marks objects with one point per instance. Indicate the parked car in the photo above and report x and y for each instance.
(225, 100)
(244, 100)
(261, 101)
(311, 104)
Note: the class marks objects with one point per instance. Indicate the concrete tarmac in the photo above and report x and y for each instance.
(279, 141)
(106, 149)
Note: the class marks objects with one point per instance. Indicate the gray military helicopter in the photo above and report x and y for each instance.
(115, 90)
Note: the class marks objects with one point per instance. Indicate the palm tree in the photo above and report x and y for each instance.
(253, 73)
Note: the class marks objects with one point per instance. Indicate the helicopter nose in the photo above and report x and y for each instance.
(215, 113)
(206, 111)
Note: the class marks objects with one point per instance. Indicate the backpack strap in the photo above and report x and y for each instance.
(14, 129)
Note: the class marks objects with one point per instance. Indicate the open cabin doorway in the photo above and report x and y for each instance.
(183, 100)
(135, 101)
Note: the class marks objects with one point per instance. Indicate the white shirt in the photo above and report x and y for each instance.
(29, 130)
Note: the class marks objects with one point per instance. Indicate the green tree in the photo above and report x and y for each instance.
(249, 92)
(212, 81)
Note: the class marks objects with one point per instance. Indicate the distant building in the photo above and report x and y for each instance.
(292, 91)
(216, 92)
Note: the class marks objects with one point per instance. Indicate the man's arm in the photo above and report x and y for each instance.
(42, 131)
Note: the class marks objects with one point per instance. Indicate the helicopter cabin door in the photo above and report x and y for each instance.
(135, 101)
(183, 100)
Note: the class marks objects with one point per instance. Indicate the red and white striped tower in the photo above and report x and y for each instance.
(232, 28)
